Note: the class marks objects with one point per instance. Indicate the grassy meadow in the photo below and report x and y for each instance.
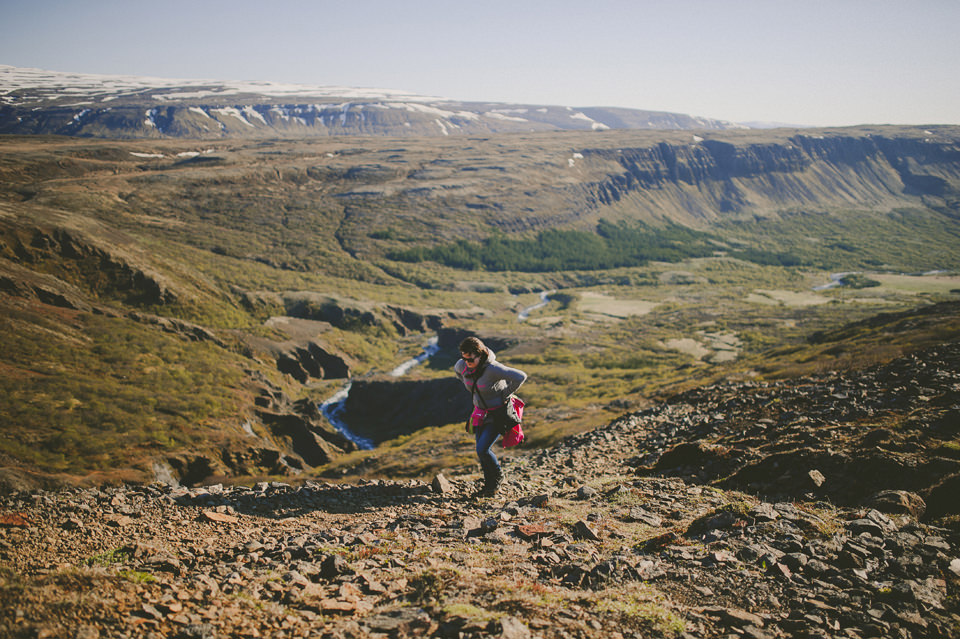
(94, 239)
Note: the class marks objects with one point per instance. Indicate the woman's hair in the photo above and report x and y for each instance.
(473, 346)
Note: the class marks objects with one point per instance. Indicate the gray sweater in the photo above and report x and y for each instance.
(495, 383)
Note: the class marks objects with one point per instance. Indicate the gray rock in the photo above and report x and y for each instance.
(441, 485)
(513, 628)
(333, 566)
(582, 530)
(586, 492)
(899, 502)
(645, 517)
(764, 512)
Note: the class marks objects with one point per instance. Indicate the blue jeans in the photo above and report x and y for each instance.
(487, 435)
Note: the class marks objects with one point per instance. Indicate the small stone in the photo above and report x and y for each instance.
(660, 541)
(722, 557)
(489, 524)
(764, 512)
(955, 567)
(211, 515)
(14, 520)
(513, 628)
(71, 523)
(539, 501)
(899, 502)
(151, 612)
(582, 530)
(860, 526)
(337, 606)
(332, 566)
(736, 617)
(121, 521)
(441, 485)
(87, 632)
(531, 531)
(645, 517)
(817, 478)
(780, 570)
(586, 492)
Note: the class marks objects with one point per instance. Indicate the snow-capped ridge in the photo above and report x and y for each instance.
(38, 101)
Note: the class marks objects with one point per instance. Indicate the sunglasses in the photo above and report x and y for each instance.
(470, 358)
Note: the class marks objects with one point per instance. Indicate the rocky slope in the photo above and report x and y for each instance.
(653, 525)
(34, 101)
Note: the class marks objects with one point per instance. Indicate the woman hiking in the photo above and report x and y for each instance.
(490, 383)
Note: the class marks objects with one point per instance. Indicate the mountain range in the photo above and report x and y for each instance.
(34, 101)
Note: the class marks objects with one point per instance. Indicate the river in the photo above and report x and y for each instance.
(334, 407)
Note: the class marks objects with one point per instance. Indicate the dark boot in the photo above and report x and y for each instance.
(491, 482)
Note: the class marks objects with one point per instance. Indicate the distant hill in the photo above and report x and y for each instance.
(35, 101)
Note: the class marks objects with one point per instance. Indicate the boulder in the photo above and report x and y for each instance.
(898, 502)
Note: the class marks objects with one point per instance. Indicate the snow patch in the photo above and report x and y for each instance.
(250, 112)
(496, 115)
(596, 126)
(146, 155)
(234, 113)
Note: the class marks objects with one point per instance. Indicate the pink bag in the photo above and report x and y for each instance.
(476, 418)
(513, 438)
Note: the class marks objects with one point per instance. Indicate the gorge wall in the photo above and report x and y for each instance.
(711, 178)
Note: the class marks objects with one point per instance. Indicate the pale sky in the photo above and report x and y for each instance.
(805, 62)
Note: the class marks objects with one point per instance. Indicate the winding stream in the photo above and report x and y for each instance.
(544, 300)
(334, 407)
(834, 282)
(332, 410)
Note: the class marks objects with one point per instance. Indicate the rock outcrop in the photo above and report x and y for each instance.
(355, 314)
(77, 263)
(382, 410)
(803, 170)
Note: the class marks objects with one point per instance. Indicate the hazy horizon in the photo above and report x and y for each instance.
(818, 64)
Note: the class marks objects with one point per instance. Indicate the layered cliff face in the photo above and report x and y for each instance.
(711, 178)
